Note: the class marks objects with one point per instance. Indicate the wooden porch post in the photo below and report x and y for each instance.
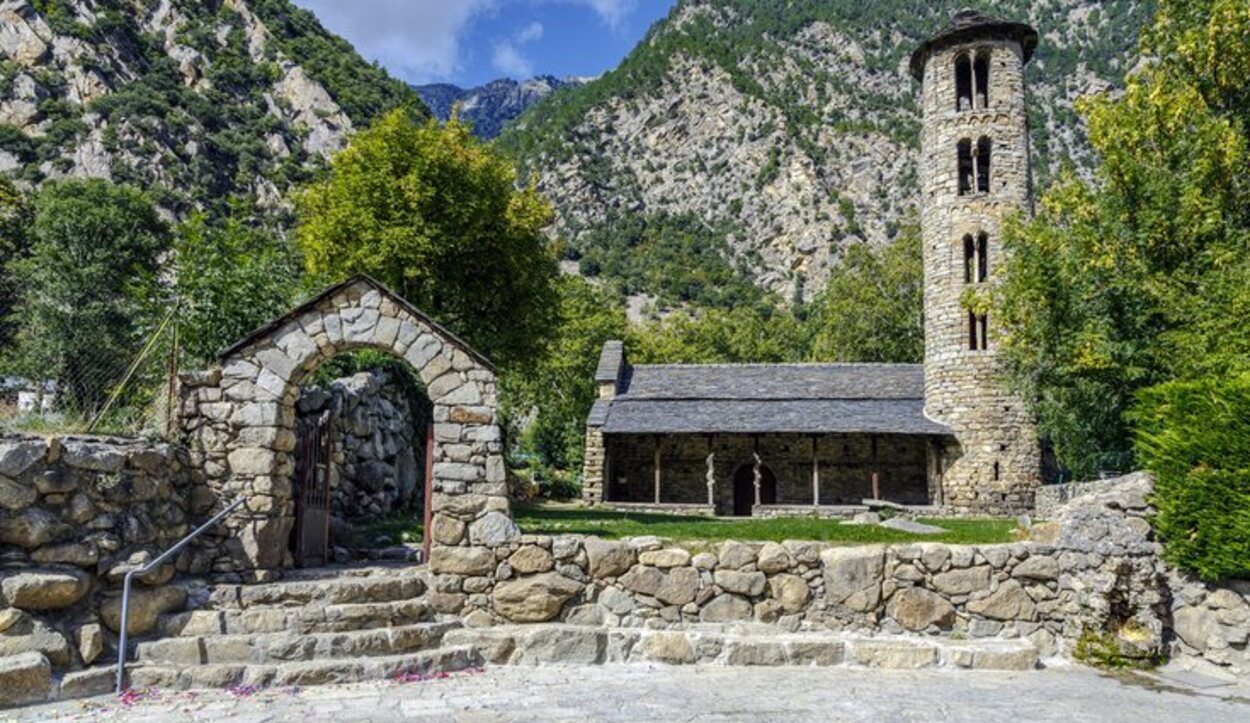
(815, 474)
(758, 478)
(657, 469)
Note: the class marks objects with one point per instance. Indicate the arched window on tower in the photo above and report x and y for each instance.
(976, 263)
(963, 82)
(985, 150)
(978, 331)
(981, 81)
(967, 168)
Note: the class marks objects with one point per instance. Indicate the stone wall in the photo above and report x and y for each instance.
(997, 464)
(377, 450)
(1095, 569)
(76, 514)
(1051, 498)
(846, 462)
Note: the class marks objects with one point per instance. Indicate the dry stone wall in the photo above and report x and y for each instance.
(77, 514)
(376, 446)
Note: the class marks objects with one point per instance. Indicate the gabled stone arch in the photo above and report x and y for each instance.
(239, 418)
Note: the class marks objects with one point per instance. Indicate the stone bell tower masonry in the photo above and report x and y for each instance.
(974, 174)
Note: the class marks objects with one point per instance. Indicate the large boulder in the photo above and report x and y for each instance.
(774, 558)
(1009, 602)
(743, 583)
(791, 591)
(679, 587)
(735, 555)
(146, 607)
(32, 636)
(535, 599)
(853, 576)
(33, 528)
(963, 581)
(608, 559)
(726, 609)
(917, 608)
(24, 678)
(52, 589)
(531, 559)
(494, 529)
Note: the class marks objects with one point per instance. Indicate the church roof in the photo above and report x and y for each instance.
(971, 25)
(767, 398)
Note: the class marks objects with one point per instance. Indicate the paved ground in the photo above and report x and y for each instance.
(654, 693)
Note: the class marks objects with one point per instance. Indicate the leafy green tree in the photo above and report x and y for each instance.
(1139, 276)
(719, 336)
(436, 214)
(872, 310)
(15, 217)
(552, 397)
(229, 279)
(90, 274)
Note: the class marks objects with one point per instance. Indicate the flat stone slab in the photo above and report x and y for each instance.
(902, 524)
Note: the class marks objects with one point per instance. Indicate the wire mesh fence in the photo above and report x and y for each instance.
(79, 383)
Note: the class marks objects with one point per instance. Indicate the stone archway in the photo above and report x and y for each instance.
(239, 419)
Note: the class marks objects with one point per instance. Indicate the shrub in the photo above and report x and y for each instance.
(1195, 437)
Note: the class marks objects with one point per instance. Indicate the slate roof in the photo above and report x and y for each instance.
(768, 398)
(971, 25)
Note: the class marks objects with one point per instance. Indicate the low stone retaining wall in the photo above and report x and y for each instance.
(76, 514)
(1094, 569)
(648, 508)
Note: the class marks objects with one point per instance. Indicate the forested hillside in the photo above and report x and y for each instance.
(197, 101)
(779, 134)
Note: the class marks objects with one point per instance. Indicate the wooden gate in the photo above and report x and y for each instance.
(312, 490)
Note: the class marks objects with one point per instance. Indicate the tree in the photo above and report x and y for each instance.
(435, 214)
(872, 310)
(744, 334)
(229, 279)
(15, 218)
(1139, 276)
(554, 395)
(90, 274)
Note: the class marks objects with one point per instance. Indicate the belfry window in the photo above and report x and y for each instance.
(976, 262)
(967, 167)
(978, 331)
(985, 150)
(963, 83)
(981, 81)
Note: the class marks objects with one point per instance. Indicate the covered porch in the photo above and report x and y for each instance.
(770, 475)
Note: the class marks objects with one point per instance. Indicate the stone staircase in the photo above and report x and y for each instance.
(314, 627)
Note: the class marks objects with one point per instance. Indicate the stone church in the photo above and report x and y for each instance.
(831, 439)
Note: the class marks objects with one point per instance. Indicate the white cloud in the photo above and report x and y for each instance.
(508, 57)
(612, 11)
(418, 40)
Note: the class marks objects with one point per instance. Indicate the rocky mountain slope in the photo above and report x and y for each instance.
(195, 100)
(489, 107)
(786, 131)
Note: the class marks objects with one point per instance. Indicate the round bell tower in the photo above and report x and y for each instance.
(974, 173)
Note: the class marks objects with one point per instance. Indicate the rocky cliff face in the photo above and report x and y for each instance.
(490, 107)
(194, 100)
(793, 125)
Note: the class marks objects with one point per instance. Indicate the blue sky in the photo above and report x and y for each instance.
(470, 42)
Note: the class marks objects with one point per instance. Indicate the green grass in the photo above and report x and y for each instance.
(540, 519)
(553, 520)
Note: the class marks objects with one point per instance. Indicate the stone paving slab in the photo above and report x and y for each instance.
(693, 693)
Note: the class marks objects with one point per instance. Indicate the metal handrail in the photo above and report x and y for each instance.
(125, 623)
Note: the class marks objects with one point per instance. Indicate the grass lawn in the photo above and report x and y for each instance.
(568, 520)
(564, 519)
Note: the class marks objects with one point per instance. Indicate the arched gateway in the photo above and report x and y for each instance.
(239, 419)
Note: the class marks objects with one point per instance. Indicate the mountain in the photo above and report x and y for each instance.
(491, 106)
(775, 134)
(195, 100)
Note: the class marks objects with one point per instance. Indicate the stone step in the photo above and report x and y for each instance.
(548, 644)
(302, 673)
(304, 620)
(318, 591)
(289, 647)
